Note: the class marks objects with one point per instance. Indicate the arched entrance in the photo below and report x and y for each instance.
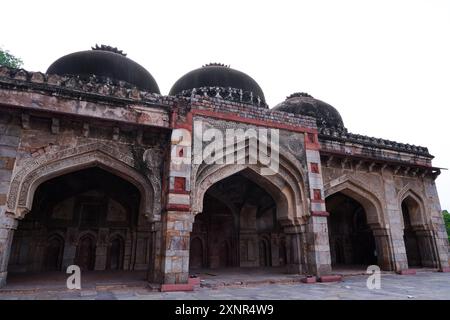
(351, 239)
(90, 218)
(238, 226)
(418, 239)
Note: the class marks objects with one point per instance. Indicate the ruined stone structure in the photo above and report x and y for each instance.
(97, 169)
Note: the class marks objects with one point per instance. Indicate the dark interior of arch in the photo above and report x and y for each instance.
(419, 244)
(410, 237)
(351, 240)
(237, 228)
(89, 218)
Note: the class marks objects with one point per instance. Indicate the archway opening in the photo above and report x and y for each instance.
(352, 244)
(417, 237)
(238, 229)
(90, 218)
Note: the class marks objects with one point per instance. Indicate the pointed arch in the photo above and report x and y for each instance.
(48, 166)
(286, 186)
(415, 204)
(357, 191)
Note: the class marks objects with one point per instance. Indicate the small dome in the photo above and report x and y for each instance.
(304, 104)
(220, 76)
(105, 62)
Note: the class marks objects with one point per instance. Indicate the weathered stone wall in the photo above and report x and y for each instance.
(389, 188)
(37, 146)
(10, 132)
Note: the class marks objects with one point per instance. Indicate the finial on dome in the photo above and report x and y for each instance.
(103, 47)
(299, 94)
(215, 64)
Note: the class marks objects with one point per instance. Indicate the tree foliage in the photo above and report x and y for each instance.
(447, 222)
(9, 60)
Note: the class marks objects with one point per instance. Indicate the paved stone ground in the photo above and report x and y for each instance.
(424, 285)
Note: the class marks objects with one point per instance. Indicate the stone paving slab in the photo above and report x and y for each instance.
(422, 286)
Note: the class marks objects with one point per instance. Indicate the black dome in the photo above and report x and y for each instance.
(304, 104)
(218, 75)
(105, 62)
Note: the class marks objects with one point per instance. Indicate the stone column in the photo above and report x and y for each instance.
(155, 271)
(394, 226)
(7, 227)
(437, 229)
(294, 247)
(275, 249)
(427, 248)
(176, 231)
(317, 246)
(384, 249)
(10, 132)
(101, 250)
(177, 220)
(70, 247)
(248, 237)
(318, 255)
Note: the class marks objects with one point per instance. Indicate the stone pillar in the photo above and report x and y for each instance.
(176, 229)
(7, 227)
(294, 247)
(70, 247)
(437, 228)
(128, 252)
(10, 132)
(427, 248)
(318, 255)
(394, 226)
(383, 248)
(317, 246)
(177, 220)
(101, 249)
(248, 237)
(155, 271)
(275, 249)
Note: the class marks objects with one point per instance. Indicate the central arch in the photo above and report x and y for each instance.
(252, 246)
(286, 186)
(239, 226)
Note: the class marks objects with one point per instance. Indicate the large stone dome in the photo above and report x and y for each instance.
(219, 76)
(105, 62)
(304, 104)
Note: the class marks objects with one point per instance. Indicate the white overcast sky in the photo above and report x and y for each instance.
(385, 65)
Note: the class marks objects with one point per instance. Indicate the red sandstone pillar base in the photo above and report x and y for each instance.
(330, 278)
(407, 272)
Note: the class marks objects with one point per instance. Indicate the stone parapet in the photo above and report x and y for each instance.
(331, 139)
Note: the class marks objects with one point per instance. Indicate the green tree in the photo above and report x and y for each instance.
(7, 59)
(447, 222)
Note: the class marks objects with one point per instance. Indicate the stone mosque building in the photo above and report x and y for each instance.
(90, 174)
